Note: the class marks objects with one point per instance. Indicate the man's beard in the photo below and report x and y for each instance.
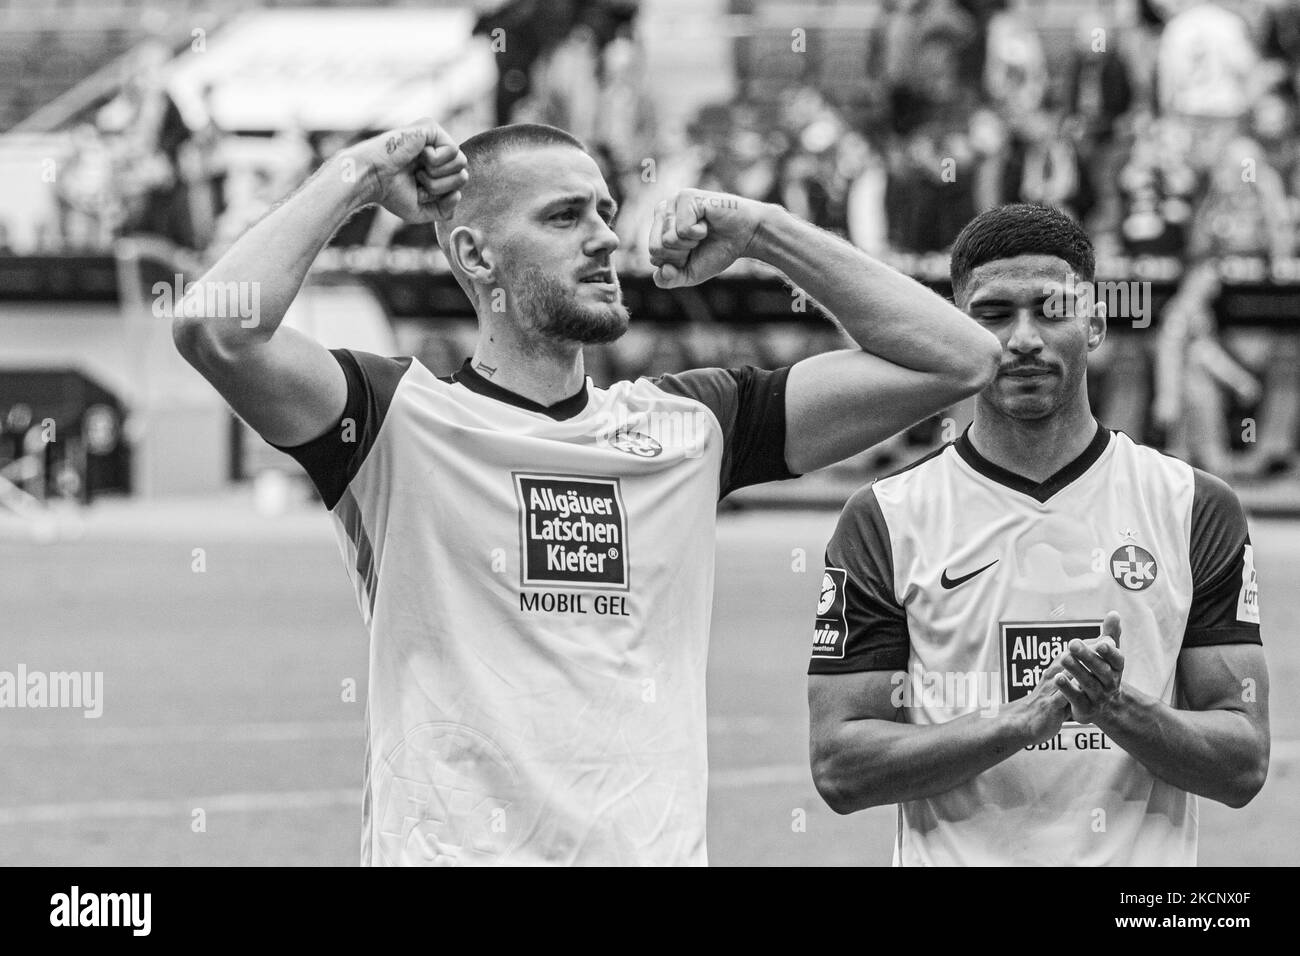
(545, 306)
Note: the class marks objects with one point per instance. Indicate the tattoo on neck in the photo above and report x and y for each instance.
(488, 370)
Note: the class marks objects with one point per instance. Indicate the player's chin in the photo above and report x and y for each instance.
(1026, 405)
(611, 325)
(596, 324)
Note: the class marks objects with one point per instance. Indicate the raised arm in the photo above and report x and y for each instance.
(918, 353)
(284, 384)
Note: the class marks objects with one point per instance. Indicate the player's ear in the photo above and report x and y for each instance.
(1096, 324)
(467, 252)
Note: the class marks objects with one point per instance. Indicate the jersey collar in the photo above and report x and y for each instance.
(1039, 491)
(562, 410)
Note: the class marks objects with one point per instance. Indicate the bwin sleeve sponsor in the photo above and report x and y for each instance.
(831, 628)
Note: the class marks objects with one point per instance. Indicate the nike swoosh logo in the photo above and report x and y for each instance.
(950, 583)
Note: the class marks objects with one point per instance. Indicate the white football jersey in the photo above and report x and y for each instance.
(967, 580)
(537, 583)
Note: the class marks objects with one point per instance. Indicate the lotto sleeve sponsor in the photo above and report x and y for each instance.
(1248, 596)
(1225, 590)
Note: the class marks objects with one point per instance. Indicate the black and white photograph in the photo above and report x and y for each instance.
(650, 433)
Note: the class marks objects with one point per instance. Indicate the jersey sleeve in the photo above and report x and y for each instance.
(860, 625)
(1225, 595)
(749, 404)
(333, 458)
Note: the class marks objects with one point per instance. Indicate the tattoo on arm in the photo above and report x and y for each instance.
(396, 140)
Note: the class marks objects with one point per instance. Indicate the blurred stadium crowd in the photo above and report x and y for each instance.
(1139, 125)
(1168, 127)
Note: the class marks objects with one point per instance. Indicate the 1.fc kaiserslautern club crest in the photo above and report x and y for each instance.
(635, 443)
(1133, 568)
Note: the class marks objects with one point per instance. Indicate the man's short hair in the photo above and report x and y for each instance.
(485, 148)
(482, 153)
(1020, 229)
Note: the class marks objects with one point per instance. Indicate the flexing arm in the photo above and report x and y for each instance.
(284, 384)
(918, 353)
(863, 756)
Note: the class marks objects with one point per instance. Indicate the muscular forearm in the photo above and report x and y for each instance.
(866, 763)
(274, 256)
(887, 313)
(1214, 753)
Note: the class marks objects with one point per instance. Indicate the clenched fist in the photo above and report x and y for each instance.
(415, 172)
(697, 234)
